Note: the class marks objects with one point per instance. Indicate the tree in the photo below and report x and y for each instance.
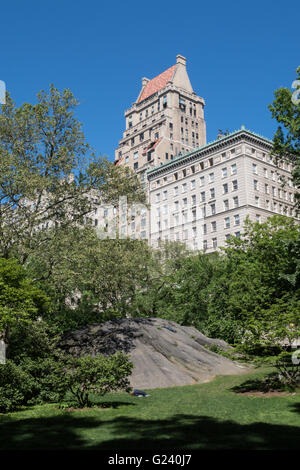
(21, 301)
(286, 110)
(85, 375)
(49, 175)
(260, 277)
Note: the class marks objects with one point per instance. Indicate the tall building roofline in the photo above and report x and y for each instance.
(210, 146)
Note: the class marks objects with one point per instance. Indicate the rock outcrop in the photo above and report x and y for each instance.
(164, 353)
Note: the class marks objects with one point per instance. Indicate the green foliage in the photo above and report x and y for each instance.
(36, 340)
(20, 300)
(85, 375)
(16, 387)
(287, 138)
(47, 169)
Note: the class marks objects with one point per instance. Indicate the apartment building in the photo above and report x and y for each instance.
(167, 120)
(199, 193)
(204, 197)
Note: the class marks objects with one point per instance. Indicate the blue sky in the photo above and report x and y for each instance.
(237, 54)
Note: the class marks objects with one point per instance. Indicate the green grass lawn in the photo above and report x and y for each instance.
(206, 416)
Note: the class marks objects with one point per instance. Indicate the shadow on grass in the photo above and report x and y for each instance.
(122, 433)
(295, 407)
(269, 382)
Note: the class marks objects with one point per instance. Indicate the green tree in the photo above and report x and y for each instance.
(259, 269)
(21, 301)
(49, 175)
(99, 375)
(286, 111)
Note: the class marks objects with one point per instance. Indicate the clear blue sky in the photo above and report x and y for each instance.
(237, 54)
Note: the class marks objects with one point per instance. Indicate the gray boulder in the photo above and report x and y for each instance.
(164, 353)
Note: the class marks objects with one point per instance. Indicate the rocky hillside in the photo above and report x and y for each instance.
(163, 352)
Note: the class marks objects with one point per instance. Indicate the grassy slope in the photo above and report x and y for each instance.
(207, 416)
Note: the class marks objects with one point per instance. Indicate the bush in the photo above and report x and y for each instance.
(34, 341)
(16, 387)
(45, 379)
(84, 375)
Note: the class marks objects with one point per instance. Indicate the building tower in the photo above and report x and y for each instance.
(167, 120)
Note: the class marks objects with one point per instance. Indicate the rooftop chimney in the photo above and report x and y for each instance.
(180, 60)
(145, 81)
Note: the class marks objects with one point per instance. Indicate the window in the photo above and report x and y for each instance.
(268, 204)
(193, 168)
(176, 191)
(204, 229)
(202, 181)
(234, 169)
(165, 103)
(204, 245)
(224, 156)
(257, 217)
(165, 195)
(266, 188)
(225, 188)
(255, 184)
(194, 200)
(176, 206)
(211, 177)
(213, 209)
(202, 196)
(193, 184)
(136, 155)
(184, 186)
(126, 159)
(157, 197)
(257, 201)
(227, 222)
(265, 173)
(236, 201)
(214, 226)
(203, 211)
(214, 243)
(224, 172)
(237, 219)
(184, 202)
(254, 168)
(234, 185)
(212, 193)
(238, 234)
(135, 166)
(226, 205)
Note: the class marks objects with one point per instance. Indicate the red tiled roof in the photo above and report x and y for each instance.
(157, 83)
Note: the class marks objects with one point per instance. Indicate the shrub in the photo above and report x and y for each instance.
(45, 379)
(16, 387)
(84, 375)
